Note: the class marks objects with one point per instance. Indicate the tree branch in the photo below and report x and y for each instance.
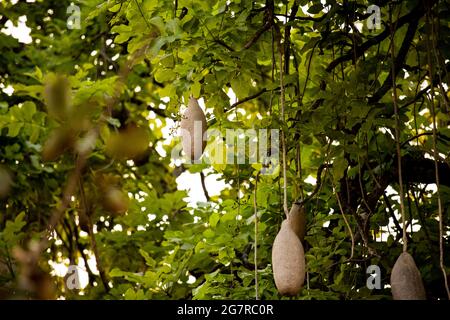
(253, 96)
(414, 14)
(269, 22)
(258, 34)
(223, 44)
(318, 183)
(394, 218)
(205, 191)
(399, 61)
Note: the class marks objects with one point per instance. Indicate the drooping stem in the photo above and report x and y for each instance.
(341, 209)
(282, 120)
(255, 208)
(436, 155)
(397, 136)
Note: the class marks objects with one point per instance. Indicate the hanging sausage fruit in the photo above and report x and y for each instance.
(406, 282)
(288, 261)
(193, 128)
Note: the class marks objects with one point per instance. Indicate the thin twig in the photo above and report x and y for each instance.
(347, 224)
(318, 183)
(255, 208)
(142, 14)
(223, 44)
(392, 214)
(416, 137)
(258, 34)
(282, 120)
(397, 136)
(205, 191)
(253, 96)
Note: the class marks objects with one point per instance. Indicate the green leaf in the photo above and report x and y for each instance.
(164, 75)
(214, 219)
(148, 260)
(315, 8)
(196, 88)
(124, 31)
(28, 110)
(14, 128)
(340, 164)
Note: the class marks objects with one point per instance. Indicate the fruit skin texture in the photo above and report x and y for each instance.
(406, 282)
(193, 128)
(297, 218)
(288, 261)
(115, 201)
(58, 142)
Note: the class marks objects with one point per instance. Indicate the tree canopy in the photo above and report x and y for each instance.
(88, 114)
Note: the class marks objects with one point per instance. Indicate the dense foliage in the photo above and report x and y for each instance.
(84, 153)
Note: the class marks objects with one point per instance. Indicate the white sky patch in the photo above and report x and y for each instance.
(390, 191)
(431, 156)
(60, 269)
(160, 149)
(9, 90)
(393, 195)
(445, 86)
(232, 96)
(167, 131)
(428, 156)
(335, 143)
(192, 183)
(118, 228)
(406, 74)
(311, 180)
(423, 85)
(151, 115)
(305, 10)
(20, 32)
(386, 130)
(327, 223)
(431, 188)
(201, 103)
(359, 25)
(191, 280)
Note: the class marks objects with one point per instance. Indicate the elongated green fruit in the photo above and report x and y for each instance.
(406, 282)
(297, 218)
(288, 261)
(193, 128)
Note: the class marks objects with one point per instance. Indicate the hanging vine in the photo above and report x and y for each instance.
(431, 43)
